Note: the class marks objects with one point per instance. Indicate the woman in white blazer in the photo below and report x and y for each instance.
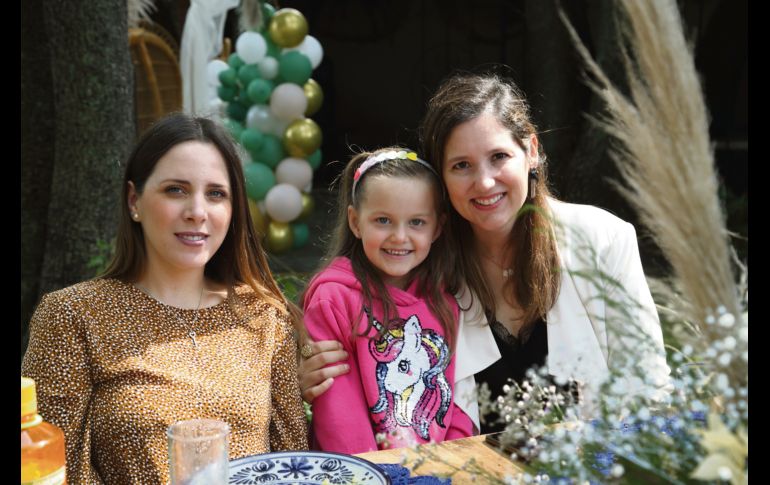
(540, 282)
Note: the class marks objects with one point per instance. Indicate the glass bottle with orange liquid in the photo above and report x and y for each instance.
(42, 444)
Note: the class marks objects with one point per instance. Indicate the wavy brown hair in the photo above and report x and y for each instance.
(240, 259)
(431, 274)
(535, 283)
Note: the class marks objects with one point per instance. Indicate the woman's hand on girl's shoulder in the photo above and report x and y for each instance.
(316, 376)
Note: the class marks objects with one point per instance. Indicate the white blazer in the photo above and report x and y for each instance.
(579, 344)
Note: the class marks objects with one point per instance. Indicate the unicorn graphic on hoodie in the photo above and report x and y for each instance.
(413, 390)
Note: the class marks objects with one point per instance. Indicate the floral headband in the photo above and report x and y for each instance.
(382, 157)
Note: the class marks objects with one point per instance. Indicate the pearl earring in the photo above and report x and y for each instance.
(135, 215)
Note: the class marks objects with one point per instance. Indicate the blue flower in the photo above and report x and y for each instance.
(298, 467)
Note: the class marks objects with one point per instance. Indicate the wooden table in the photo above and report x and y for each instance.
(441, 459)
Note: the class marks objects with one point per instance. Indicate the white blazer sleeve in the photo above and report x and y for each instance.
(633, 327)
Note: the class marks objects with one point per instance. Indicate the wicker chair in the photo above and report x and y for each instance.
(157, 77)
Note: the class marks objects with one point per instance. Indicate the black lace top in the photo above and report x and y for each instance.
(518, 354)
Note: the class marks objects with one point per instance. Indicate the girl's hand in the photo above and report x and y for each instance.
(314, 377)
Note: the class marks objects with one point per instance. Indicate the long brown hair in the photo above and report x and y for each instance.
(430, 274)
(534, 286)
(240, 259)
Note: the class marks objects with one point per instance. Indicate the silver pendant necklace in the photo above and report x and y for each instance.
(507, 272)
(191, 328)
(190, 333)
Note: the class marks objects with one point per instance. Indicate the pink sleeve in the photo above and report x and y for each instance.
(341, 421)
(461, 425)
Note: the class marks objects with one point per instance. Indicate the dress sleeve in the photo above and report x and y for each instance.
(58, 360)
(341, 419)
(632, 319)
(288, 425)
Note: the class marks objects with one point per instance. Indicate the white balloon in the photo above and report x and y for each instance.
(213, 69)
(268, 67)
(279, 127)
(283, 202)
(288, 101)
(251, 47)
(311, 48)
(294, 171)
(259, 118)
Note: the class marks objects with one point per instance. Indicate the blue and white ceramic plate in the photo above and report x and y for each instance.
(305, 468)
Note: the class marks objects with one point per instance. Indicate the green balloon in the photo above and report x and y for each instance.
(295, 67)
(236, 111)
(301, 233)
(259, 90)
(267, 12)
(251, 139)
(271, 152)
(315, 159)
(235, 61)
(259, 179)
(248, 73)
(273, 49)
(227, 93)
(228, 77)
(243, 100)
(234, 128)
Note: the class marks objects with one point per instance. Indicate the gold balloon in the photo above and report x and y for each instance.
(302, 138)
(308, 204)
(288, 27)
(258, 219)
(314, 95)
(279, 236)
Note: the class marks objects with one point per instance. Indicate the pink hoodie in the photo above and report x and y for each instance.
(399, 387)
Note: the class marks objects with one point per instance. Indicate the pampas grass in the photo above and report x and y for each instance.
(665, 156)
(139, 10)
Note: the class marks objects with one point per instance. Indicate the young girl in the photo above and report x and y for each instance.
(382, 296)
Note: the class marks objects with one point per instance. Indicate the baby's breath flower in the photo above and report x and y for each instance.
(721, 382)
(726, 320)
(697, 406)
(729, 342)
(687, 349)
(644, 414)
(617, 470)
(724, 359)
(724, 473)
(721, 309)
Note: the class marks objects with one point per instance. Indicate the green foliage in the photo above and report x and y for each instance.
(104, 251)
(291, 284)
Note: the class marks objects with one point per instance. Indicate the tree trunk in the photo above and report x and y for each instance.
(37, 153)
(93, 128)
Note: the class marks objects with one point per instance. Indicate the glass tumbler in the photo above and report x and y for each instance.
(198, 452)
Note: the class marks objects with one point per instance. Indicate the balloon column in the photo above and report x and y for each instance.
(268, 96)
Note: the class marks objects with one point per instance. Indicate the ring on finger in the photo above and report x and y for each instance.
(306, 351)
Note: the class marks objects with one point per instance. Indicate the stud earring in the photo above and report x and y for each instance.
(135, 216)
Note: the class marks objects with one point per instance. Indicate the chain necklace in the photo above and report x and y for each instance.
(190, 333)
(191, 328)
(507, 272)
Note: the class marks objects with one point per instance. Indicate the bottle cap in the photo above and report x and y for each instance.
(28, 396)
